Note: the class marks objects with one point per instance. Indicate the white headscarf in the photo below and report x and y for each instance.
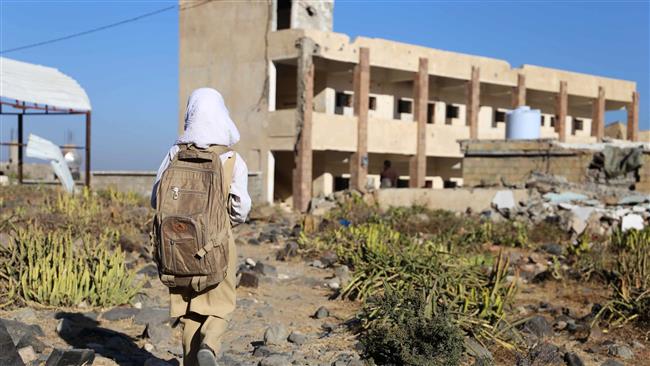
(207, 121)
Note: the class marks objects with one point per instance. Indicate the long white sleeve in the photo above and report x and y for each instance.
(239, 201)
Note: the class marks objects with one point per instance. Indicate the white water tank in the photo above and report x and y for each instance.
(523, 123)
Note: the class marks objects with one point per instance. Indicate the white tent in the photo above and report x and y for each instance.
(35, 90)
(42, 85)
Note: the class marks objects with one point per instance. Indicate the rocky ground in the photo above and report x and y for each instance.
(283, 316)
(286, 313)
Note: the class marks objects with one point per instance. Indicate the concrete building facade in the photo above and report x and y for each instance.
(319, 112)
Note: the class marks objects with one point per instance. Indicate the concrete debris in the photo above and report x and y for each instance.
(504, 200)
(632, 221)
(565, 197)
(8, 354)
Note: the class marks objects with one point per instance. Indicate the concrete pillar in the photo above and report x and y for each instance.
(302, 173)
(598, 115)
(633, 118)
(561, 106)
(420, 99)
(359, 159)
(519, 92)
(473, 104)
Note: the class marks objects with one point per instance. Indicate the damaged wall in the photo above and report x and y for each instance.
(510, 163)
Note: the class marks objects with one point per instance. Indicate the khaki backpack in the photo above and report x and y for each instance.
(192, 226)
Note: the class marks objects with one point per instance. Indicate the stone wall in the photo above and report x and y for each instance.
(500, 162)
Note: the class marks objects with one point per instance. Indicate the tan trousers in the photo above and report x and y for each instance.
(205, 315)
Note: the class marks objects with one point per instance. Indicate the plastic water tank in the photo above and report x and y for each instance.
(523, 123)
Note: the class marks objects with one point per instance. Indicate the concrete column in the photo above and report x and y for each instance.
(359, 160)
(598, 115)
(473, 97)
(561, 111)
(519, 92)
(633, 118)
(420, 99)
(302, 173)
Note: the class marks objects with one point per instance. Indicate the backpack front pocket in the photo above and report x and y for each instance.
(181, 239)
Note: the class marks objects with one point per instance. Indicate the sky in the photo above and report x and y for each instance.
(130, 72)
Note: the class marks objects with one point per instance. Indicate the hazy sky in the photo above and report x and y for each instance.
(131, 72)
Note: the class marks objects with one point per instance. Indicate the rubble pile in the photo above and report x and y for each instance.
(574, 207)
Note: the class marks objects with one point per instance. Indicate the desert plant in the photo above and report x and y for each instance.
(384, 261)
(53, 269)
(631, 279)
(410, 333)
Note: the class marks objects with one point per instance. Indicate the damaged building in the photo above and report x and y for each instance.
(319, 112)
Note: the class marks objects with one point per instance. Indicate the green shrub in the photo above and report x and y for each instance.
(409, 335)
(631, 278)
(53, 269)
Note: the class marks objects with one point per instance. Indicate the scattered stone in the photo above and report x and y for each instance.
(321, 313)
(612, 363)
(27, 354)
(620, 351)
(120, 313)
(275, 334)
(564, 197)
(248, 278)
(250, 262)
(542, 354)
(580, 216)
(632, 221)
(297, 338)
(342, 272)
(329, 258)
(155, 315)
(253, 241)
(265, 269)
(637, 345)
(504, 200)
(538, 326)
(149, 347)
(9, 356)
(150, 270)
(71, 357)
(634, 199)
(158, 333)
(317, 263)
(289, 250)
(480, 353)
(262, 351)
(552, 248)
(276, 360)
(573, 359)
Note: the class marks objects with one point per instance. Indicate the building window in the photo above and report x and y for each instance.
(552, 121)
(451, 111)
(404, 106)
(343, 100)
(577, 125)
(542, 120)
(499, 116)
(283, 14)
(372, 103)
(431, 107)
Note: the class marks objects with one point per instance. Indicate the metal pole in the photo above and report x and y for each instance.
(87, 177)
(20, 148)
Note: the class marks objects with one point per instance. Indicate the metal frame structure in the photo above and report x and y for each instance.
(45, 110)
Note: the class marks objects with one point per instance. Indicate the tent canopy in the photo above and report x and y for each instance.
(41, 85)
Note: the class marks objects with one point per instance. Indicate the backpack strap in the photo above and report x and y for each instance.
(228, 167)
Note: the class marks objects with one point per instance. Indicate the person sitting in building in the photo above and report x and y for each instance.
(388, 176)
(204, 311)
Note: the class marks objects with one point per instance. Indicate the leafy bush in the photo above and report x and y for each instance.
(53, 269)
(410, 334)
(386, 261)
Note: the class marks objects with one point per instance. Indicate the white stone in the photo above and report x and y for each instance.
(632, 221)
(504, 200)
(250, 262)
(27, 354)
